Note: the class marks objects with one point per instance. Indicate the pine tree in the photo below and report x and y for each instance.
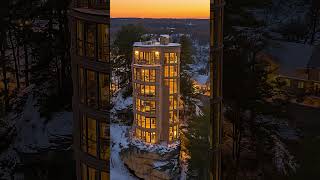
(122, 50)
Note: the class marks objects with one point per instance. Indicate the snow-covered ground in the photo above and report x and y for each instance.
(34, 134)
(119, 141)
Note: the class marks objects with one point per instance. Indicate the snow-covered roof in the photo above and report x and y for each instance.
(165, 36)
(290, 56)
(155, 44)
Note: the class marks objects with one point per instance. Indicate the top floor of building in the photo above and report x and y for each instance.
(156, 53)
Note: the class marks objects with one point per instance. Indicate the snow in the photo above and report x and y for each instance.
(34, 133)
(158, 164)
(119, 141)
(283, 159)
(155, 44)
(120, 103)
(159, 148)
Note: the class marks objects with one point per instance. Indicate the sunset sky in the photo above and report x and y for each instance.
(160, 8)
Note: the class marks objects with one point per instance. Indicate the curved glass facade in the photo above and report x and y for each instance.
(89, 25)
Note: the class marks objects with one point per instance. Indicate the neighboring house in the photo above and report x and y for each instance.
(201, 83)
(298, 65)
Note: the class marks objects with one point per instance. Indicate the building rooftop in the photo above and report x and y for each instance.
(164, 41)
(292, 56)
(154, 44)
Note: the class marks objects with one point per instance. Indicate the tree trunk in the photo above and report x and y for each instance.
(26, 63)
(5, 82)
(16, 69)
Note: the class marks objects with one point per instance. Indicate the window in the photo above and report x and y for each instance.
(84, 172)
(104, 145)
(173, 133)
(300, 85)
(103, 42)
(170, 58)
(91, 88)
(148, 137)
(170, 71)
(91, 37)
(92, 174)
(84, 133)
(173, 104)
(145, 75)
(105, 176)
(172, 84)
(173, 116)
(288, 82)
(146, 106)
(92, 136)
(145, 90)
(82, 89)
(91, 131)
(80, 40)
(153, 137)
(104, 91)
(149, 58)
(92, 40)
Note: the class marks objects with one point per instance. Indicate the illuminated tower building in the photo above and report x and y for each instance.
(216, 59)
(156, 87)
(89, 26)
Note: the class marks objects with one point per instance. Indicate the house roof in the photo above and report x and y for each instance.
(290, 56)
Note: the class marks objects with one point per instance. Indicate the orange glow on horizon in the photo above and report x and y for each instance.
(197, 9)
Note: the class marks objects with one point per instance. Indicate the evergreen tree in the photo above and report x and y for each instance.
(122, 50)
(197, 145)
(186, 52)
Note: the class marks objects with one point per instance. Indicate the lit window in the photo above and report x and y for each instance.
(83, 171)
(300, 85)
(103, 42)
(153, 137)
(82, 89)
(92, 174)
(92, 136)
(104, 91)
(91, 36)
(91, 88)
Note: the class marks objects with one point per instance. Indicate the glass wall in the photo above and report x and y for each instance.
(170, 58)
(145, 75)
(145, 90)
(90, 173)
(147, 58)
(95, 137)
(94, 88)
(147, 106)
(171, 76)
(93, 41)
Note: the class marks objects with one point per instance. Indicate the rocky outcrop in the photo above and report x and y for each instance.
(152, 165)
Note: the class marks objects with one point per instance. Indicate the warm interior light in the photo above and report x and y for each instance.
(136, 52)
(157, 53)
